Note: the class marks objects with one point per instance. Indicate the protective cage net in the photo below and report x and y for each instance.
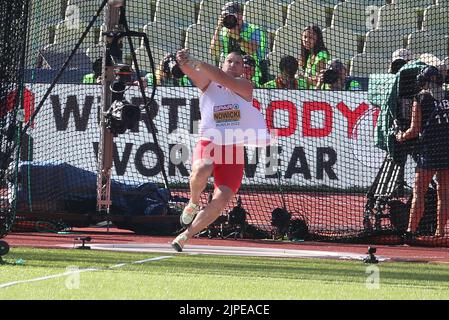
(339, 172)
(12, 39)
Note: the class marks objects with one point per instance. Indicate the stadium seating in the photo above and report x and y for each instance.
(364, 64)
(83, 10)
(182, 13)
(381, 41)
(198, 38)
(415, 3)
(66, 37)
(287, 40)
(398, 18)
(46, 12)
(164, 36)
(351, 16)
(429, 42)
(341, 43)
(378, 3)
(436, 18)
(267, 14)
(157, 53)
(139, 13)
(302, 13)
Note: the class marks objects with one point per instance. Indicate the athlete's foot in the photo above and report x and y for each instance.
(179, 242)
(188, 214)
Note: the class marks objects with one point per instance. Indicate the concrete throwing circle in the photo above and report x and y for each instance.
(233, 251)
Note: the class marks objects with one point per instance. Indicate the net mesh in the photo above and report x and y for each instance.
(330, 170)
(13, 98)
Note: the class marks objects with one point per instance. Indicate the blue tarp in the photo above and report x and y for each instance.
(60, 187)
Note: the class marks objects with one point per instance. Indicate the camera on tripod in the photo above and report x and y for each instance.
(122, 115)
(171, 67)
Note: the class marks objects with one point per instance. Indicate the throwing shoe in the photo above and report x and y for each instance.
(188, 214)
(179, 242)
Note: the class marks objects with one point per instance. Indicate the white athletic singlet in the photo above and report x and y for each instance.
(227, 118)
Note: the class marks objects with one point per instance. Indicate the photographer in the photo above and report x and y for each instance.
(234, 34)
(169, 74)
(334, 78)
(430, 114)
(288, 66)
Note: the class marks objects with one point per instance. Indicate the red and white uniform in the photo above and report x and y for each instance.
(228, 122)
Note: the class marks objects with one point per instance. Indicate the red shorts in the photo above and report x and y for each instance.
(228, 162)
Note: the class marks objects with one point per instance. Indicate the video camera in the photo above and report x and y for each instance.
(122, 115)
(171, 67)
(230, 13)
(332, 72)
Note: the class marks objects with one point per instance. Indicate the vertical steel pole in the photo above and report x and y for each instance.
(105, 149)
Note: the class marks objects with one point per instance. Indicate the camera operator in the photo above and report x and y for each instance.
(288, 66)
(334, 77)
(400, 58)
(169, 74)
(232, 34)
(430, 122)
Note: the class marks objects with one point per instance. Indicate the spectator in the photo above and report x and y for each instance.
(334, 78)
(288, 67)
(244, 37)
(399, 58)
(167, 74)
(249, 69)
(314, 55)
(95, 76)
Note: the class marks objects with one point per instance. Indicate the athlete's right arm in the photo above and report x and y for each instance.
(198, 79)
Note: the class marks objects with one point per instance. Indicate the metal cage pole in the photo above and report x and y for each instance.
(105, 148)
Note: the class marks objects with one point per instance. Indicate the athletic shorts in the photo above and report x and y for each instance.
(228, 162)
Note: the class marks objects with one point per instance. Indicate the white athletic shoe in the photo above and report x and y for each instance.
(188, 214)
(179, 242)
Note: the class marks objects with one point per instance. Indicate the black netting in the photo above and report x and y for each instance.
(13, 98)
(333, 91)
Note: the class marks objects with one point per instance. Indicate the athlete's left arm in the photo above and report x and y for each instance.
(415, 124)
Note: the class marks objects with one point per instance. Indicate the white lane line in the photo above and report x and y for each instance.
(68, 273)
(13, 283)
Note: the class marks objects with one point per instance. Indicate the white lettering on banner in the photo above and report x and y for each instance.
(316, 135)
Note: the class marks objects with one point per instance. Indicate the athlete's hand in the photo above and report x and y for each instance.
(182, 56)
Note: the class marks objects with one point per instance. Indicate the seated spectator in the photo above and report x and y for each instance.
(249, 69)
(399, 58)
(334, 78)
(95, 76)
(314, 55)
(288, 66)
(240, 36)
(168, 75)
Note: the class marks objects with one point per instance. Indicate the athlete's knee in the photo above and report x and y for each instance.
(223, 195)
(201, 171)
